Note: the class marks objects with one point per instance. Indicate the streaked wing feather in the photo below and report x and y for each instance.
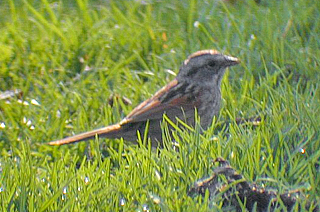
(153, 108)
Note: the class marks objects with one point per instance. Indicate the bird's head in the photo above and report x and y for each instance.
(206, 66)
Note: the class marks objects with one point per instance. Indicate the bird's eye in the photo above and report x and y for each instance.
(211, 63)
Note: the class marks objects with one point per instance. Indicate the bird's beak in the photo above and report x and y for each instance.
(231, 61)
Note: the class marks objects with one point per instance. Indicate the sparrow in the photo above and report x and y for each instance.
(196, 86)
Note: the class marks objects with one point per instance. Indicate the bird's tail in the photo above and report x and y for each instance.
(111, 131)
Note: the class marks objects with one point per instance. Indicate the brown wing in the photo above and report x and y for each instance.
(165, 100)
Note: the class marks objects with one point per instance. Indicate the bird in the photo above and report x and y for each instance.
(197, 86)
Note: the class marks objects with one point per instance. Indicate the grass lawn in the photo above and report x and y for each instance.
(68, 58)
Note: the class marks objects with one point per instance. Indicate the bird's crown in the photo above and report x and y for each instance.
(199, 53)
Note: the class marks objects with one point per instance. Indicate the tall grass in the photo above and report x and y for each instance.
(67, 58)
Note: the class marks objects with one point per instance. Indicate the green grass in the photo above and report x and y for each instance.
(70, 57)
